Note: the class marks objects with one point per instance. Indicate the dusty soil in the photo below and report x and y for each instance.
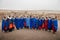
(28, 34)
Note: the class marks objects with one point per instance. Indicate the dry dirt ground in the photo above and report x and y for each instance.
(27, 34)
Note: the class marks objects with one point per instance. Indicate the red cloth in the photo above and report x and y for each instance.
(43, 26)
(10, 25)
(53, 28)
(40, 28)
(24, 24)
(5, 28)
(13, 25)
(46, 24)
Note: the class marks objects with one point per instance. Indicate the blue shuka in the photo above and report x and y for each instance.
(13, 20)
(36, 23)
(50, 24)
(21, 22)
(28, 22)
(7, 23)
(40, 22)
(4, 24)
(43, 21)
(55, 23)
(31, 23)
(16, 23)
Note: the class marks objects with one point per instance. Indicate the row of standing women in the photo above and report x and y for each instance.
(31, 22)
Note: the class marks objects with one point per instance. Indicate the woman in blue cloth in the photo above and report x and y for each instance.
(28, 22)
(54, 24)
(10, 21)
(31, 22)
(49, 23)
(40, 23)
(17, 23)
(13, 22)
(21, 22)
(4, 27)
(36, 22)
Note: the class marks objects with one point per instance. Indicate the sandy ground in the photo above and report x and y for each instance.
(27, 34)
